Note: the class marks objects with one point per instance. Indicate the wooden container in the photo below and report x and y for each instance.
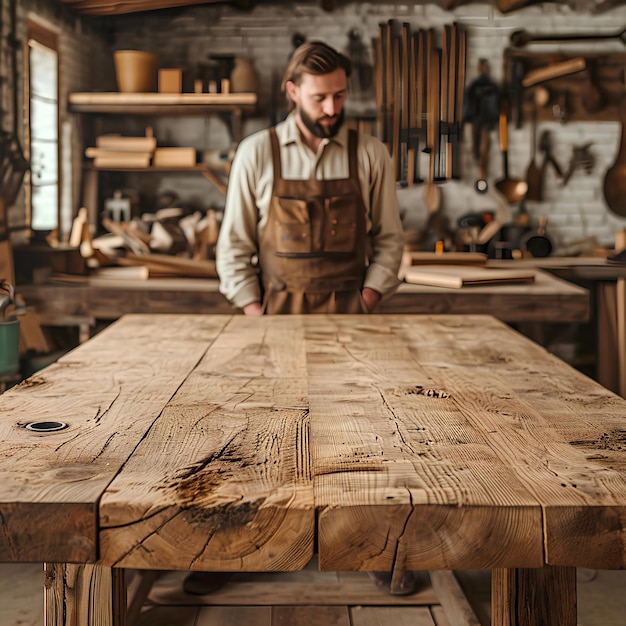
(243, 77)
(171, 80)
(135, 70)
(174, 157)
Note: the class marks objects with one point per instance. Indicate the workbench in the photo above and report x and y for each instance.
(234, 443)
(547, 299)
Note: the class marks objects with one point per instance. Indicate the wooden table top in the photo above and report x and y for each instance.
(215, 441)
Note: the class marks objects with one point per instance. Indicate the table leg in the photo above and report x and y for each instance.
(621, 334)
(607, 369)
(533, 597)
(84, 595)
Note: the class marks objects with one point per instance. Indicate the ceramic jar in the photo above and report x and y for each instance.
(243, 77)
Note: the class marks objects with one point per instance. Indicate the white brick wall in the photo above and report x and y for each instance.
(188, 36)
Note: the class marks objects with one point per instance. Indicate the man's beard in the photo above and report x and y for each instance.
(320, 130)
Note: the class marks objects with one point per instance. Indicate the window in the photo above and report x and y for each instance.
(43, 114)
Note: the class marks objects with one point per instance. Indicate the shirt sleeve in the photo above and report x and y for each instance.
(386, 236)
(238, 239)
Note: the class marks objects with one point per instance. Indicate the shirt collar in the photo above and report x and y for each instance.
(292, 133)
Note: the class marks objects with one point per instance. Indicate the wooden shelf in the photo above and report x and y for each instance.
(218, 178)
(199, 167)
(160, 103)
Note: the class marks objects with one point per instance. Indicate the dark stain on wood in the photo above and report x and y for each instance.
(614, 440)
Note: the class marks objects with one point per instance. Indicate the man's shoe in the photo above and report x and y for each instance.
(204, 583)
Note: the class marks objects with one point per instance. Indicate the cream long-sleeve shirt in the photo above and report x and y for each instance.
(250, 189)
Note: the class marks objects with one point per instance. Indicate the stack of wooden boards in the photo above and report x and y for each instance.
(118, 151)
(457, 269)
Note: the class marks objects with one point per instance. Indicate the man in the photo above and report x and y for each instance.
(311, 223)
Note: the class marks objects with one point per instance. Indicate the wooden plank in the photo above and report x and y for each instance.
(114, 387)
(391, 616)
(453, 601)
(557, 430)
(310, 616)
(121, 99)
(70, 591)
(439, 615)
(124, 103)
(547, 299)
(244, 499)
(457, 276)
(396, 459)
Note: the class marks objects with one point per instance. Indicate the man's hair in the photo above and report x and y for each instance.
(313, 57)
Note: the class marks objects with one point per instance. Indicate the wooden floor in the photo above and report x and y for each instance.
(351, 598)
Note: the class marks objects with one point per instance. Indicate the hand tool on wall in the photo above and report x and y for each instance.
(545, 147)
(521, 38)
(451, 109)
(533, 175)
(593, 98)
(443, 103)
(379, 89)
(516, 70)
(481, 185)
(581, 158)
(553, 70)
(396, 42)
(406, 167)
(415, 114)
(481, 105)
(458, 114)
(614, 185)
(382, 77)
(512, 189)
(432, 193)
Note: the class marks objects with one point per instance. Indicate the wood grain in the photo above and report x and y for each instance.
(216, 442)
(111, 394)
(396, 459)
(243, 500)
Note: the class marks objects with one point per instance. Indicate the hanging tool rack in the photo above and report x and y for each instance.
(420, 86)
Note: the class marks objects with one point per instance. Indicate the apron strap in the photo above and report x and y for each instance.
(278, 174)
(352, 158)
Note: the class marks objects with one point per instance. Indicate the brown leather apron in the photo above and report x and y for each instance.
(313, 249)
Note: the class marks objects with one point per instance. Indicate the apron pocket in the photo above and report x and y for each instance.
(293, 234)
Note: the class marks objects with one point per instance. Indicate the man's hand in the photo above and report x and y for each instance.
(370, 297)
(254, 308)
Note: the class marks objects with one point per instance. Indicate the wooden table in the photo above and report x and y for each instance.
(220, 442)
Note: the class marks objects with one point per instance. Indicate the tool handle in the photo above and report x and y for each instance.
(556, 70)
(504, 138)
